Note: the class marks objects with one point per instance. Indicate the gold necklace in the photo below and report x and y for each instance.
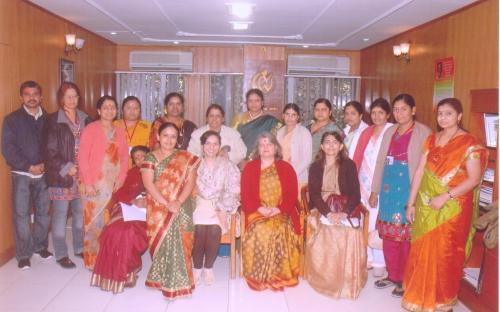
(442, 134)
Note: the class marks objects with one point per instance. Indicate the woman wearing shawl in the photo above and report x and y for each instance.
(365, 158)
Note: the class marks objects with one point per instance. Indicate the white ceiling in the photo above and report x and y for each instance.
(339, 24)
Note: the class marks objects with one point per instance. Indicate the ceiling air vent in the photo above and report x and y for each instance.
(318, 64)
(172, 61)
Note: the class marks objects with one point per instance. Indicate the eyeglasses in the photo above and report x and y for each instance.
(72, 97)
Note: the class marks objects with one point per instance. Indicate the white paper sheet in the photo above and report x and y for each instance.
(133, 213)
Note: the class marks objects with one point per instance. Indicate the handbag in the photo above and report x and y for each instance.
(338, 203)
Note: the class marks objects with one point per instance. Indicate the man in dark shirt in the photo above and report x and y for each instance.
(21, 148)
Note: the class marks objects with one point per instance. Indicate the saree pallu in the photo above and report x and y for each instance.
(186, 128)
(271, 252)
(170, 235)
(316, 136)
(251, 129)
(121, 247)
(441, 239)
(95, 214)
(335, 258)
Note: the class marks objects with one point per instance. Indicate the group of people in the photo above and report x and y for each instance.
(417, 186)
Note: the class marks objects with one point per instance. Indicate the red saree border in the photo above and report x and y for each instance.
(171, 293)
(158, 238)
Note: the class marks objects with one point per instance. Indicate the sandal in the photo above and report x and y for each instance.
(384, 283)
(398, 292)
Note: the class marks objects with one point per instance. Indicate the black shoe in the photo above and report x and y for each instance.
(79, 255)
(44, 254)
(398, 292)
(66, 263)
(24, 264)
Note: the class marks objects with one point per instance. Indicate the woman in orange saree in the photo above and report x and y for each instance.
(442, 206)
(168, 175)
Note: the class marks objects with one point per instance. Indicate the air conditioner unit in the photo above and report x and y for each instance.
(175, 61)
(318, 64)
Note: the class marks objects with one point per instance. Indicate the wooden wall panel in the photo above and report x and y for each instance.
(31, 44)
(470, 35)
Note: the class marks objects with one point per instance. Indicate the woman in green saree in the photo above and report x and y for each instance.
(254, 121)
(168, 175)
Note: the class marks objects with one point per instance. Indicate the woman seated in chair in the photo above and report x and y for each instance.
(270, 245)
(217, 197)
(335, 259)
(122, 243)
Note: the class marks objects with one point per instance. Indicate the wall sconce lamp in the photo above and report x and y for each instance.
(402, 50)
(73, 44)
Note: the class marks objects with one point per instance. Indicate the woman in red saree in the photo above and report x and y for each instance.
(169, 176)
(442, 206)
(122, 243)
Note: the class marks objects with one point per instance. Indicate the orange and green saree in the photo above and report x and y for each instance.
(170, 235)
(441, 238)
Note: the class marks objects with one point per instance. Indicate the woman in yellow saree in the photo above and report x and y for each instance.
(270, 246)
(168, 175)
(442, 206)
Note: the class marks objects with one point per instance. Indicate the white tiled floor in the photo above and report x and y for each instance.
(48, 287)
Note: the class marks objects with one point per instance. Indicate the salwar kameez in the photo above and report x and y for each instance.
(392, 225)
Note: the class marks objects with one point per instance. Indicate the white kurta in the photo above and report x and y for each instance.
(351, 139)
(229, 137)
(366, 171)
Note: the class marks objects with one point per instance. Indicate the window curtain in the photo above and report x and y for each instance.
(227, 91)
(303, 91)
(150, 88)
(199, 91)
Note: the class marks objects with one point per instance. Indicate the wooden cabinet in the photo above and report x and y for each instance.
(485, 296)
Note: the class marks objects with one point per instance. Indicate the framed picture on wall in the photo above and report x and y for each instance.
(66, 70)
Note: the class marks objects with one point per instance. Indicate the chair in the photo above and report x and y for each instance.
(230, 238)
(242, 232)
(366, 214)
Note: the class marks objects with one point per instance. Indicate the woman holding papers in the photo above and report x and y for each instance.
(122, 243)
(331, 237)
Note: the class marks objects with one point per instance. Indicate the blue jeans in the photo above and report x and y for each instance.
(28, 193)
(59, 220)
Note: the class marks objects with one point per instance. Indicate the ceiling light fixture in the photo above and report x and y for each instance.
(240, 9)
(240, 25)
(73, 44)
(366, 39)
(305, 46)
(113, 33)
(402, 51)
(176, 42)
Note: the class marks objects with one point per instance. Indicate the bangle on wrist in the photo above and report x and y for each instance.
(449, 194)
